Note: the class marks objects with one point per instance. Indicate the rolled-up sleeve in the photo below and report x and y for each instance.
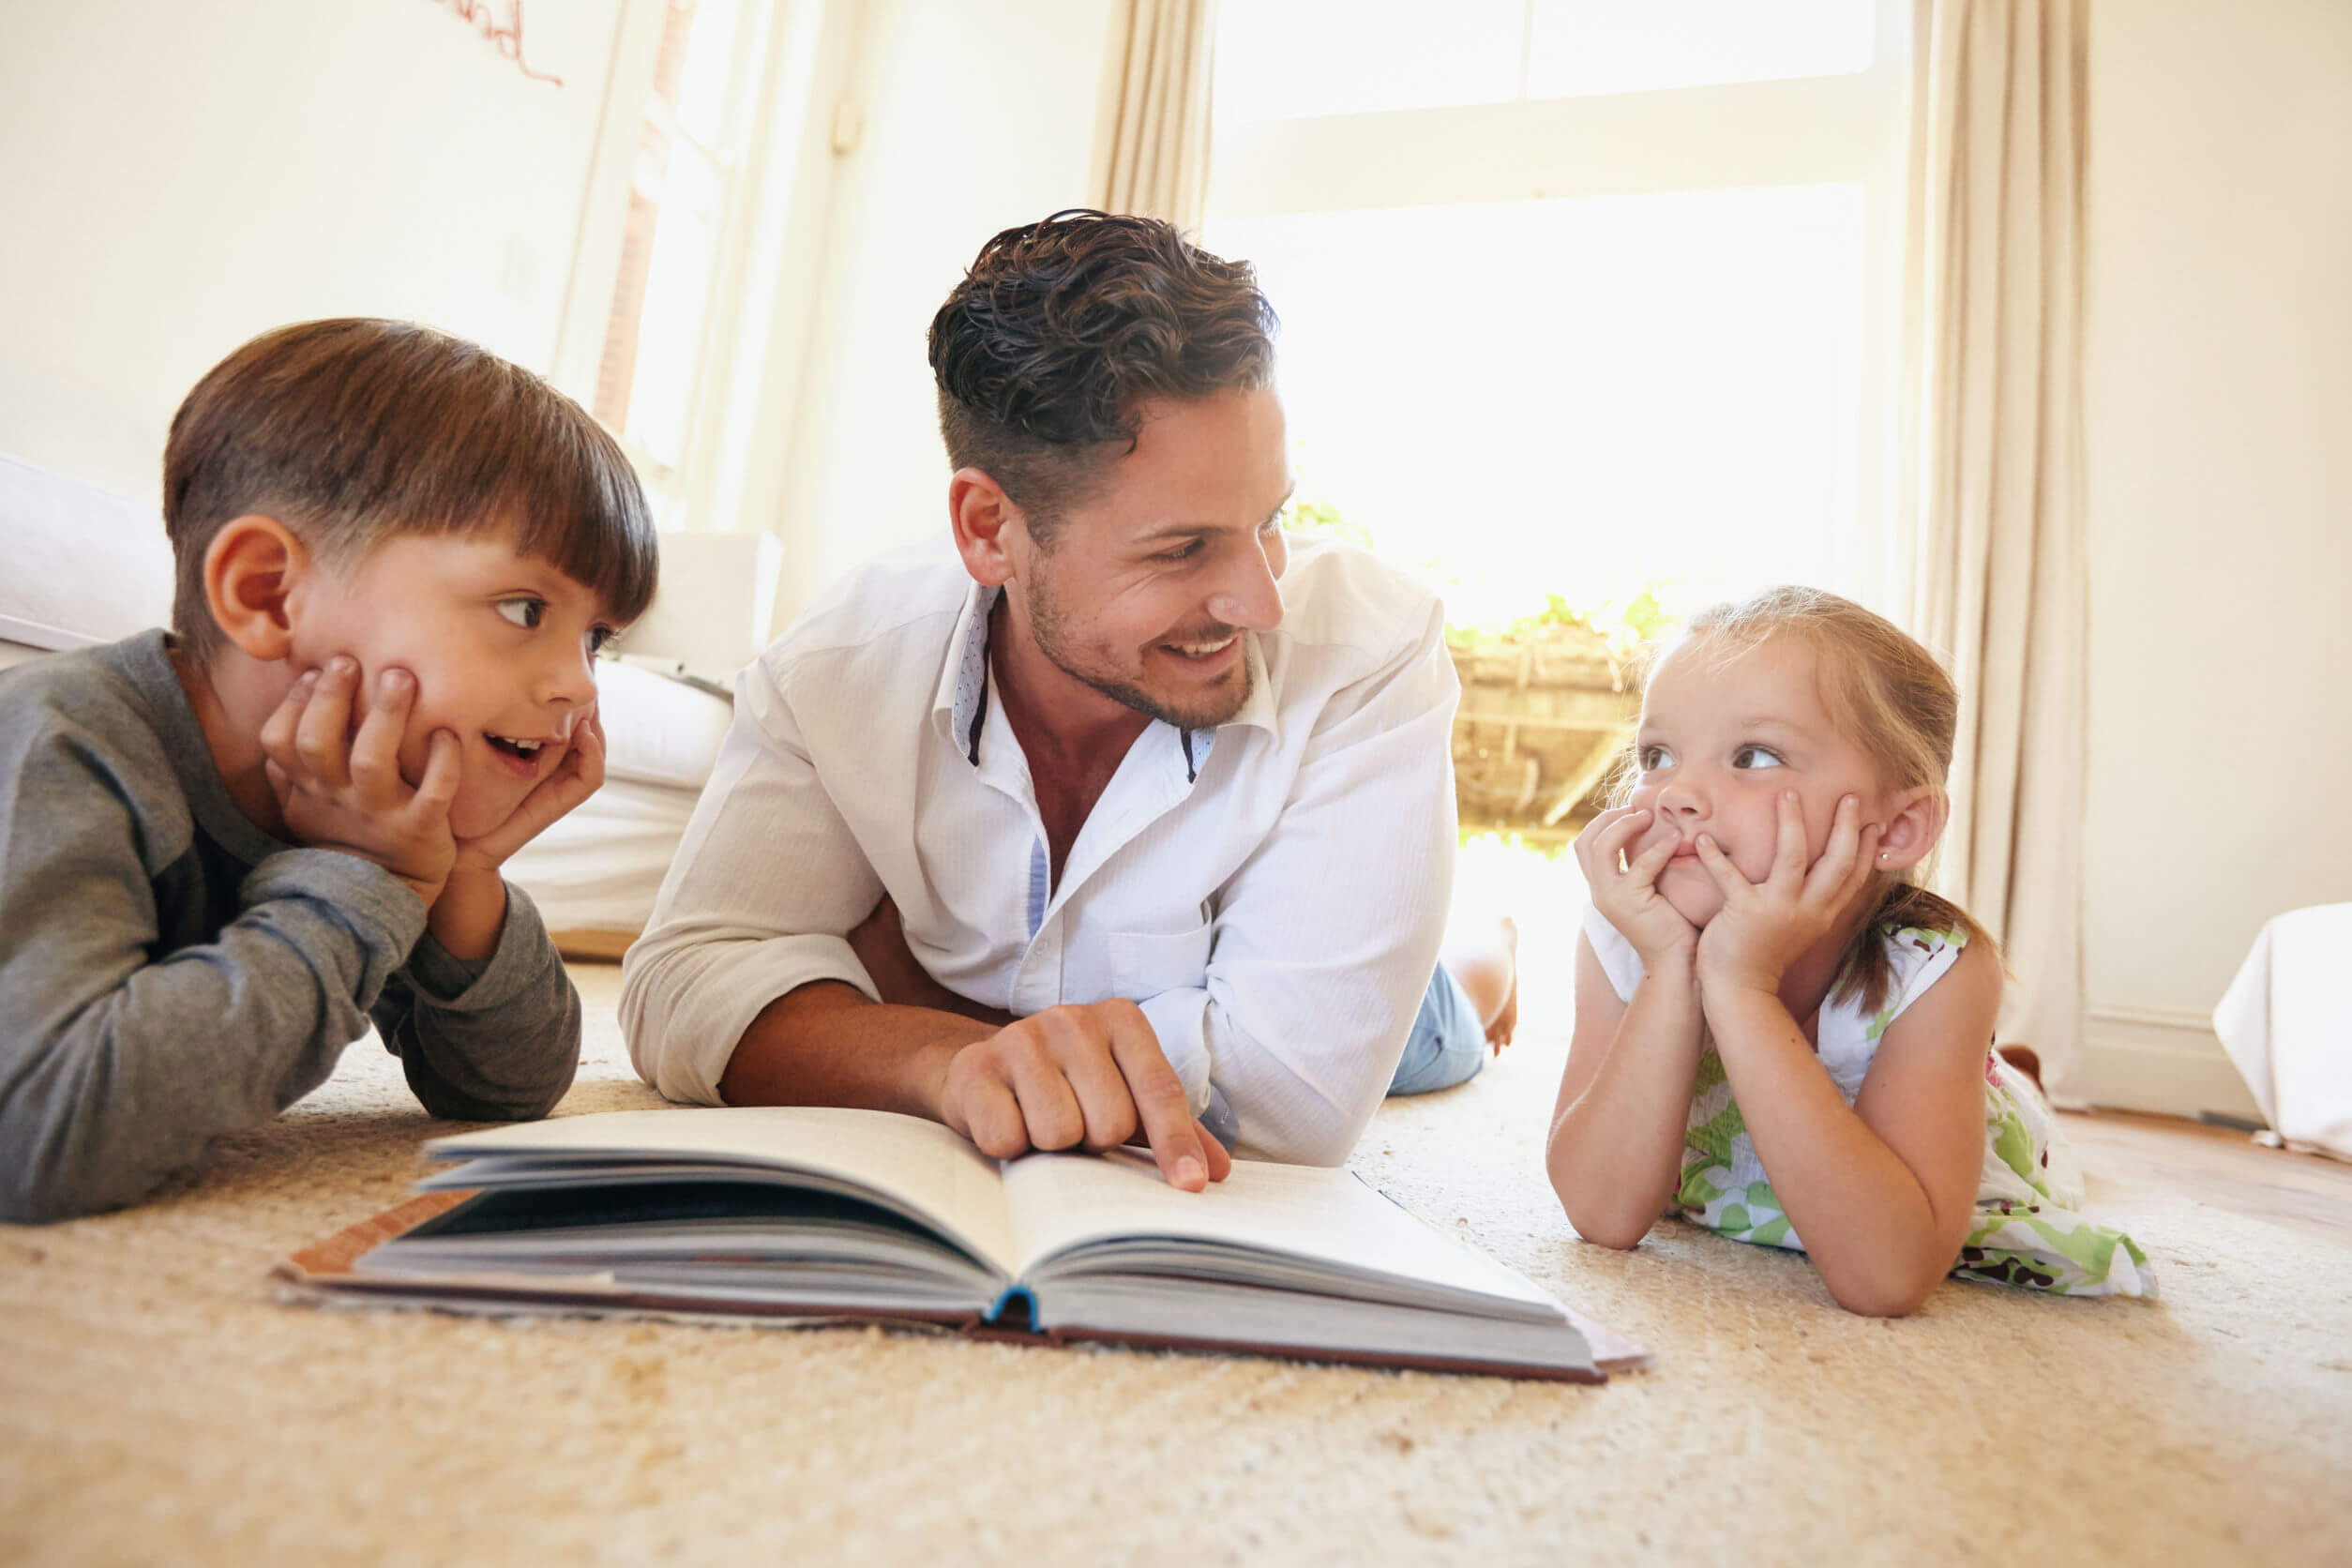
(767, 883)
(1327, 936)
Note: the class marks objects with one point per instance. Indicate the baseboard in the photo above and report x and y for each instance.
(595, 947)
(2156, 1059)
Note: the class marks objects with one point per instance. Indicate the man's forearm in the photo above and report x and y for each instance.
(824, 1044)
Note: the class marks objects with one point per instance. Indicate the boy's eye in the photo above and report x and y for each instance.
(600, 638)
(1755, 757)
(523, 612)
(1653, 758)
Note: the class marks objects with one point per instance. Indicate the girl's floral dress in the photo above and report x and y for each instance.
(2029, 1229)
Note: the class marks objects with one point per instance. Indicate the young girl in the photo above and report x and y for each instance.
(1779, 1032)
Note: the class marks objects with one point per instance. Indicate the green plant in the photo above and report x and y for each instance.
(1624, 621)
(1321, 517)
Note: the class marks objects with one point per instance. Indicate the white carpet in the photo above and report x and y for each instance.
(156, 1406)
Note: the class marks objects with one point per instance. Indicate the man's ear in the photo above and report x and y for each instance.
(1914, 820)
(986, 522)
(252, 569)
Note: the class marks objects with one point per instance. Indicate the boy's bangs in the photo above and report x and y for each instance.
(576, 503)
(539, 469)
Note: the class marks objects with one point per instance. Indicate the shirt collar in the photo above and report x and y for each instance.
(959, 705)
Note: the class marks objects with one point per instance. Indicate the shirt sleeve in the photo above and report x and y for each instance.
(117, 1065)
(494, 1041)
(1618, 961)
(767, 883)
(1324, 941)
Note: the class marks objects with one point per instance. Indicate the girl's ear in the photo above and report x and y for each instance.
(1915, 820)
(985, 520)
(252, 569)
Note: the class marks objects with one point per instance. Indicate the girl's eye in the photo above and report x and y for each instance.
(1755, 757)
(1653, 758)
(523, 612)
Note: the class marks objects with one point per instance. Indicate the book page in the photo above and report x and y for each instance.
(921, 1164)
(1061, 1201)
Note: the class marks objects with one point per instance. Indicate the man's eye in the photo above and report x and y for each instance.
(1653, 758)
(1755, 757)
(1182, 553)
(523, 612)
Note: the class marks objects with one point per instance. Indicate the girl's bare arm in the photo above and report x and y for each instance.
(1616, 1141)
(1881, 1192)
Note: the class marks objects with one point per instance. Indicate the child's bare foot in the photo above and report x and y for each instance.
(1487, 967)
(2025, 1059)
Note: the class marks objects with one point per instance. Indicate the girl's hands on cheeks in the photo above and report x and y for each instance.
(340, 790)
(1763, 927)
(1627, 895)
(580, 775)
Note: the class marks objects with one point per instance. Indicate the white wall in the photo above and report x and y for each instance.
(976, 119)
(176, 177)
(2218, 437)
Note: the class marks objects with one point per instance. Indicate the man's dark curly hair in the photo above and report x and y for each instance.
(1062, 328)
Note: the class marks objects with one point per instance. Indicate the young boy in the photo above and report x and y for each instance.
(224, 850)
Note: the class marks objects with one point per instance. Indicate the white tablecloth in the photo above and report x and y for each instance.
(2286, 1022)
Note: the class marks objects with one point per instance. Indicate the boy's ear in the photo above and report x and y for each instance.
(1915, 820)
(252, 568)
(986, 522)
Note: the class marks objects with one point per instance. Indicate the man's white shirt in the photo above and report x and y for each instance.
(1271, 893)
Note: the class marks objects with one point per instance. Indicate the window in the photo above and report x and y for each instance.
(678, 185)
(679, 255)
(1578, 296)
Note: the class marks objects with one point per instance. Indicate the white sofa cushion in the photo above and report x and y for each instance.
(657, 729)
(85, 566)
(713, 612)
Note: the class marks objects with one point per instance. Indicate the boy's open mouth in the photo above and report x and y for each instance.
(522, 751)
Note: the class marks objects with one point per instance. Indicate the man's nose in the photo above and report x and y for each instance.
(1250, 594)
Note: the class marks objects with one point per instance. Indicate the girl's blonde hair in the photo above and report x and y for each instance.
(1888, 694)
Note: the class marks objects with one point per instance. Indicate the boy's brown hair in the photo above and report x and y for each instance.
(353, 429)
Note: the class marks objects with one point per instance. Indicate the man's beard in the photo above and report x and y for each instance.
(1215, 706)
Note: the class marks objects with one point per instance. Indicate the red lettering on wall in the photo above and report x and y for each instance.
(506, 36)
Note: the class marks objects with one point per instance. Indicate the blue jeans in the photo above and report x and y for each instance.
(1448, 1044)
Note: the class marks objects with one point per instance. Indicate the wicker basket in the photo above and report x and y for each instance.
(1545, 716)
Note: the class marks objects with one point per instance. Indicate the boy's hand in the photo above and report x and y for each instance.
(343, 792)
(1764, 925)
(1628, 897)
(580, 775)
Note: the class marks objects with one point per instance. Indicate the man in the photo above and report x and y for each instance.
(1136, 819)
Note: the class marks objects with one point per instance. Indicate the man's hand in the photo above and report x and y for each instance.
(1088, 1075)
(1763, 927)
(340, 791)
(1627, 896)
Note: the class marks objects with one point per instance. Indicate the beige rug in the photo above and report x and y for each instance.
(156, 1406)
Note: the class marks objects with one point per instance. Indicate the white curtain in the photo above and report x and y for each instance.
(1993, 465)
(1152, 142)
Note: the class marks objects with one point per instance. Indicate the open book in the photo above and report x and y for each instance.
(801, 1213)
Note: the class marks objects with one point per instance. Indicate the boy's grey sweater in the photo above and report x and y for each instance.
(169, 972)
